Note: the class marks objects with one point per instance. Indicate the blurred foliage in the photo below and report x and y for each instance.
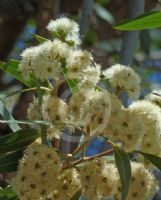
(103, 13)
(103, 2)
(91, 37)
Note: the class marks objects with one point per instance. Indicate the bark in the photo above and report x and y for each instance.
(87, 9)
(130, 38)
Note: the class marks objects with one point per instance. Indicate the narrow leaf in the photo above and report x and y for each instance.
(77, 195)
(124, 168)
(4, 95)
(9, 162)
(155, 160)
(17, 140)
(72, 85)
(103, 13)
(7, 116)
(147, 21)
(39, 38)
(11, 157)
(10, 167)
(12, 68)
(27, 122)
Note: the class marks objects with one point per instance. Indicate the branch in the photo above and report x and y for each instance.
(85, 17)
(86, 159)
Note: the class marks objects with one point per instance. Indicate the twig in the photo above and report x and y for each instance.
(86, 159)
(156, 94)
(12, 93)
(41, 122)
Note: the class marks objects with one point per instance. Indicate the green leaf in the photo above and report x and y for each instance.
(4, 95)
(7, 116)
(12, 67)
(8, 158)
(10, 167)
(17, 140)
(103, 13)
(124, 168)
(9, 162)
(7, 193)
(39, 38)
(155, 160)
(147, 21)
(103, 2)
(77, 195)
(72, 85)
(40, 122)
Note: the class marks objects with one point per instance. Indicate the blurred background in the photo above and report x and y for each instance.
(20, 19)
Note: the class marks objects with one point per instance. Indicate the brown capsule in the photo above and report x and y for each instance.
(135, 194)
(35, 153)
(23, 178)
(33, 186)
(37, 166)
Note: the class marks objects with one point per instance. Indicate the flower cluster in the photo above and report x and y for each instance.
(143, 184)
(93, 110)
(37, 170)
(39, 176)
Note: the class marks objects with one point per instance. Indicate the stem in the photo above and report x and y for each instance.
(8, 94)
(27, 90)
(43, 127)
(92, 63)
(34, 88)
(49, 85)
(38, 122)
(86, 159)
(80, 148)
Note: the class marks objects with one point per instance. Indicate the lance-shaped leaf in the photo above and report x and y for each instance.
(146, 21)
(124, 168)
(4, 95)
(9, 162)
(12, 67)
(17, 140)
(39, 38)
(155, 160)
(103, 13)
(72, 85)
(5, 114)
